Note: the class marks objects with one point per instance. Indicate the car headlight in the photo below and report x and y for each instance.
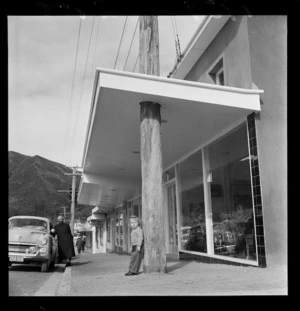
(42, 241)
(43, 250)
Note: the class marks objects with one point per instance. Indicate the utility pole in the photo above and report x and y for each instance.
(151, 154)
(73, 174)
(72, 193)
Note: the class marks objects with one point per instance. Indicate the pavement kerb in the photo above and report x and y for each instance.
(49, 288)
(65, 282)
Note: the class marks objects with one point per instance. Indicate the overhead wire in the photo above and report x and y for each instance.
(137, 22)
(121, 41)
(82, 87)
(136, 62)
(96, 43)
(72, 87)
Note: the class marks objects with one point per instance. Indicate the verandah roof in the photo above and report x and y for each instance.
(193, 113)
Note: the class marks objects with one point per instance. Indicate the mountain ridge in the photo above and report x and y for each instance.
(33, 185)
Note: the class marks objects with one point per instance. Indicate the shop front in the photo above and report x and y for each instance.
(215, 200)
(98, 223)
(207, 178)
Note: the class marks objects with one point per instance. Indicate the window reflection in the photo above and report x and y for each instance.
(193, 233)
(231, 197)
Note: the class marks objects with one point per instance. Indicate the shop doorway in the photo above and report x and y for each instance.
(172, 218)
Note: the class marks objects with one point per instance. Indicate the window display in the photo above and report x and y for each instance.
(119, 228)
(108, 230)
(231, 196)
(192, 213)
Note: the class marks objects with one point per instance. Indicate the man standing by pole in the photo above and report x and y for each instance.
(151, 154)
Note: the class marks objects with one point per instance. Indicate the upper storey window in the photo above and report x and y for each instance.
(217, 73)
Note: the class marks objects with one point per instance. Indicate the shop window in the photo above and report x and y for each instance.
(108, 230)
(192, 212)
(172, 215)
(217, 73)
(231, 196)
(101, 233)
(119, 229)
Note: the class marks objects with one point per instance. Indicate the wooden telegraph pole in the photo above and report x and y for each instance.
(73, 174)
(151, 154)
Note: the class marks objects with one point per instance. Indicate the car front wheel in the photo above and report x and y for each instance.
(45, 265)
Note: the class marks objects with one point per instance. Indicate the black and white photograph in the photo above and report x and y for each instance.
(147, 154)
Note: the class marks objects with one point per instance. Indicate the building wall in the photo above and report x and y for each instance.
(232, 41)
(268, 52)
(254, 52)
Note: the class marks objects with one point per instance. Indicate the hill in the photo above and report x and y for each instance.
(33, 185)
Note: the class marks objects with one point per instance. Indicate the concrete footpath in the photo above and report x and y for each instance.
(103, 275)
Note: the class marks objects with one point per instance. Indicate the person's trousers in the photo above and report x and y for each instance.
(135, 261)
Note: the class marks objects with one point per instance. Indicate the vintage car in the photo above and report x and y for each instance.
(224, 241)
(185, 233)
(30, 242)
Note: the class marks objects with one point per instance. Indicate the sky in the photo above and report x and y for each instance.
(51, 68)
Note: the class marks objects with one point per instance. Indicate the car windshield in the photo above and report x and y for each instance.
(31, 223)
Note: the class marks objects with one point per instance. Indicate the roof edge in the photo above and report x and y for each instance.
(212, 25)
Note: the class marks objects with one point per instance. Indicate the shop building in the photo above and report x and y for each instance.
(224, 146)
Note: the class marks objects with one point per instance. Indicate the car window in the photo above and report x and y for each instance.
(31, 223)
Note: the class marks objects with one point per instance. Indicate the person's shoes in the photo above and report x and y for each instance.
(68, 263)
(130, 273)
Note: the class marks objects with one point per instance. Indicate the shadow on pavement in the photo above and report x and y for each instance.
(74, 263)
(177, 265)
(121, 254)
(25, 268)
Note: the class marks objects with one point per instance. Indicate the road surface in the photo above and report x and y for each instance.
(28, 280)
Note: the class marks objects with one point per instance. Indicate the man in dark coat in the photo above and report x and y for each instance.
(65, 240)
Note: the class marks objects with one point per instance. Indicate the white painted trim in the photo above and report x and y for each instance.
(233, 259)
(178, 82)
(91, 118)
(178, 206)
(221, 56)
(207, 203)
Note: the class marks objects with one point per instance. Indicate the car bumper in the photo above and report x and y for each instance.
(27, 258)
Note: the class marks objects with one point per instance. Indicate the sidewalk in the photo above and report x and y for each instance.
(103, 275)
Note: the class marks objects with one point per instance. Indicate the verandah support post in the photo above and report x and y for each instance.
(151, 155)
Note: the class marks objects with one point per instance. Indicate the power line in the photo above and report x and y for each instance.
(75, 65)
(82, 87)
(121, 41)
(96, 43)
(136, 62)
(137, 22)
